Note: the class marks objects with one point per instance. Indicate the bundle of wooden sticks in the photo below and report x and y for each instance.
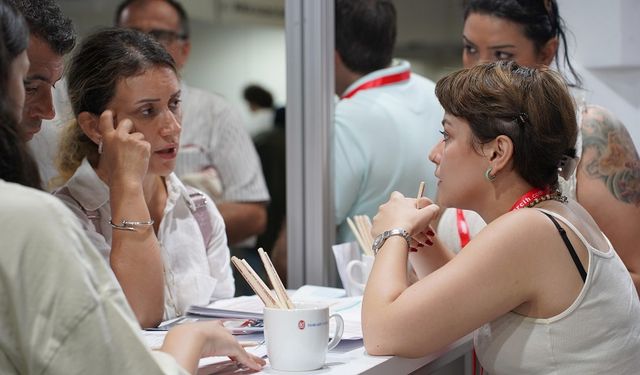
(278, 300)
(361, 228)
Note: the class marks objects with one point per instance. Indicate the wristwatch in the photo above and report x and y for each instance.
(381, 238)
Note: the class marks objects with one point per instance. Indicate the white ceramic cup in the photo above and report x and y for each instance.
(297, 339)
(358, 272)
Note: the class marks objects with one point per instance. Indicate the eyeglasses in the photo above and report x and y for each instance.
(166, 36)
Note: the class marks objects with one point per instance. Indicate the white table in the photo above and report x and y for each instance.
(349, 357)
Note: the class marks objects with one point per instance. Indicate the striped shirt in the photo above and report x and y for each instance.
(213, 136)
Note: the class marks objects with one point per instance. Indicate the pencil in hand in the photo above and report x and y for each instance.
(420, 192)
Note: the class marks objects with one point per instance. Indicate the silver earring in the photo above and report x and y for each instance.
(488, 176)
(100, 146)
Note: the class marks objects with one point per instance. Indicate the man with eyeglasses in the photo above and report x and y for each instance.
(213, 141)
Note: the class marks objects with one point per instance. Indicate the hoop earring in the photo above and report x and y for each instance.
(488, 176)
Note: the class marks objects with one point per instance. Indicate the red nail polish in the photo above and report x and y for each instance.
(428, 242)
(431, 233)
(420, 245)
(413, 249)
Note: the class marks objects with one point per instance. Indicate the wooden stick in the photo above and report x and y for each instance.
(263, 293)
(365, 232)
(420, 191)
(276, 282)
(262, 284)
(369, 226)
(356, 234)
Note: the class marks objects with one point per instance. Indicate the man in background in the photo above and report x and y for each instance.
(387, 118)
(51, 36)
(216, 153)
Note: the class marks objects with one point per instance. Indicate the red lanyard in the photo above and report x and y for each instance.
(529, 197)
(463, 228)
(382, 81)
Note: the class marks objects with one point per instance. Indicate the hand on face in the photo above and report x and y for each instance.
(409, 214)
(125, 152)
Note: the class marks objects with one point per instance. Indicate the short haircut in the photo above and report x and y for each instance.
(46, 21)
(531, 106)
(365, 33)
(182, 14)
(259, 96)
(15, 32)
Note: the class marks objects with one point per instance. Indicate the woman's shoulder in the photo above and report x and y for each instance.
(598, 121)
(515, 233)
(23, 204)
(609, 155)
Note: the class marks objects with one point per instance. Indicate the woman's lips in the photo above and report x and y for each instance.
(168, 153)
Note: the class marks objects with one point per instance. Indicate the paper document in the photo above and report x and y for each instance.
(244, 307)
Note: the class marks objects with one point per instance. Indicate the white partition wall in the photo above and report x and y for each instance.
(605, 43)
(310, 87)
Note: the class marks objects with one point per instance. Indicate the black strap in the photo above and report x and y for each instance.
(572, 251)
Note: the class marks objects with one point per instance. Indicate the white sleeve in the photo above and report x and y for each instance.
(67, 307)
(218, 256)
(349, 166)
(235, 158)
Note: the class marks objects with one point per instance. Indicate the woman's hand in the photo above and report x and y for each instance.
(126, 153)
(409, 214)
(187, 343)
(222, 342)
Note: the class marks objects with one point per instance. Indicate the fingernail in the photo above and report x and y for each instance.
(428, 242)
(420, 245)
(431, 233)
(413, 249)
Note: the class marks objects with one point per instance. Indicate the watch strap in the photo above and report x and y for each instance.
(384, 236)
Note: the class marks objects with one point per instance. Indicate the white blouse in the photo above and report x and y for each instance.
(195, 273)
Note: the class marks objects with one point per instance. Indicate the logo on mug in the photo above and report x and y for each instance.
(301, 324)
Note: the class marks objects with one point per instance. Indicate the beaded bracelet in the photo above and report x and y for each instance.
(130, 225)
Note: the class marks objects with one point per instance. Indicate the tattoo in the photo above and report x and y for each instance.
(616, 162)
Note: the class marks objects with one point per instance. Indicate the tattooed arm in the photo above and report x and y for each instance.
(609, 184)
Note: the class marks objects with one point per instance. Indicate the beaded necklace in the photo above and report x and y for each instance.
(535, 196)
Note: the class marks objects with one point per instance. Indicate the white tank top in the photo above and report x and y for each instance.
(598, 334)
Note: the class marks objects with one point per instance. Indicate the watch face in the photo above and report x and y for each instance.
(377, 242)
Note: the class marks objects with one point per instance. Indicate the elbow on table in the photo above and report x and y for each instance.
(381, 346)
(381, 339)
(149, 320)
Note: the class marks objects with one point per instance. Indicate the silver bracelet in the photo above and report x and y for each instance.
(130, 225)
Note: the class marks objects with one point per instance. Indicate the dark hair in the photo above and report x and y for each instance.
(182, 14)
(16, 163)
(14, 30)
(539, 18)
(257, 95)
(532, 106)
(102, 60)
(365, 33)
(46, 21)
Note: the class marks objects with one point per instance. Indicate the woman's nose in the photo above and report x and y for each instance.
(436, 152)
(171, 126)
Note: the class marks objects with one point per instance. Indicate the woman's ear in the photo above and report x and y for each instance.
(548, 51)
(89, 124)
(500, 153)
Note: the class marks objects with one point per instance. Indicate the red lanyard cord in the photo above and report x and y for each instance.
(382, 81)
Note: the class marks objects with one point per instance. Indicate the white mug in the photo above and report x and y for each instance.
(358, 279)
(297, 338)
